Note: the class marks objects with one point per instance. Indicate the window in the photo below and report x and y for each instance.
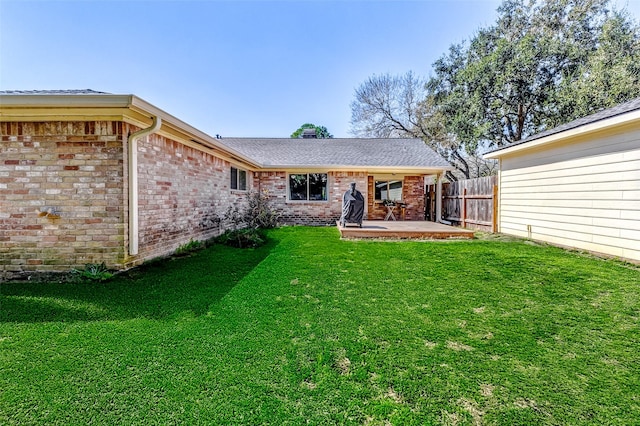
(308, 186)
(389, 190)
(238, 179)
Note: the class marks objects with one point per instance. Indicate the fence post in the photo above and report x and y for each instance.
(494, 219)
(464, 208)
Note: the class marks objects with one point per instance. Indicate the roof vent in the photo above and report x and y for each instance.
(309, 134)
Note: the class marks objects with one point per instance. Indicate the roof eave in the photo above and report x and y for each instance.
(603, 125)
(128, 108)
(420, 170)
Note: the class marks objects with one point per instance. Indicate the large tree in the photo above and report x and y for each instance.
(388, 106)
(543, 63)
(321, 131)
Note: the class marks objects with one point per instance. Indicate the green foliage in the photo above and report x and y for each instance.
(321, 131)
(258, 212)
(313, 329)
(542, 64)
(243, 238)
(248, 222)
(93, 272)
(189, 247)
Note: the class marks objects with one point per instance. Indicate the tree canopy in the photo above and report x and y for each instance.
(321, 131)
(543, 63)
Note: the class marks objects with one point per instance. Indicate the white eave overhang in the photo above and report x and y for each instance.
(620, 122)
(408, 170)
(107, 107)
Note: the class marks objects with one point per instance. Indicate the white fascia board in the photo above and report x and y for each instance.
(346, 168)
(191, 132)
(602, 125)
(60, 101)
(117, 105)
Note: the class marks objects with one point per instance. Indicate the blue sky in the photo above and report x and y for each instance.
(235, 68)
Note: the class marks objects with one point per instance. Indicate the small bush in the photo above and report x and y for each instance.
(187, 248)
(243, 238)
(259, 213)
(93, 272)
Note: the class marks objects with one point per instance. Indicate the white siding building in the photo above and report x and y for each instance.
(577, 185)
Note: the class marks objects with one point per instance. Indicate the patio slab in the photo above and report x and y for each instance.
(403, 229)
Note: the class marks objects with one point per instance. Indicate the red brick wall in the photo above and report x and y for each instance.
(412, 196)
(183, 191)
(309, 212)
(80, 169)
(74, 167)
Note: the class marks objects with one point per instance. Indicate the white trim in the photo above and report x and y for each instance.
(602, 125)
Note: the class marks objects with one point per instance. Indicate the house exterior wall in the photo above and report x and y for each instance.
(412, 195)
(184, 192)
(74, 168)
(583, 193)
(79, 169)
(274, 183)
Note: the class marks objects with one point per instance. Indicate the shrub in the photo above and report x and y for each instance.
(247, 223)
(93, 272)
(187, 248)
(259, 213)
(243, 238)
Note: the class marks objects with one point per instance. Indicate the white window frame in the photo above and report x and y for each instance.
(238, 170)
(388, 180)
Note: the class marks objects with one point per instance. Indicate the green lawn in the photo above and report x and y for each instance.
(312, 329)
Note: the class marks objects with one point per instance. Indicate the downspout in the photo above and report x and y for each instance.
(133, 181)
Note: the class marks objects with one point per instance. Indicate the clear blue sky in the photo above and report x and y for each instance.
(237, 68)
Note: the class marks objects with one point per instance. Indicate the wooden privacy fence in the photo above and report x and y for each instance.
(472, 203)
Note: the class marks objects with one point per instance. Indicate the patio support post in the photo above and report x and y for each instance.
(133, 181)
(439, 197)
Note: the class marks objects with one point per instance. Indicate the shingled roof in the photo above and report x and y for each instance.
(53, 92)
(379, 155)
(337, 152)
(620, 109)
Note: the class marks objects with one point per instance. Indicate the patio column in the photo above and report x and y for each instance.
(439, 197)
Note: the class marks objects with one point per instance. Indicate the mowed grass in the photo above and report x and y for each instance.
(312, 329)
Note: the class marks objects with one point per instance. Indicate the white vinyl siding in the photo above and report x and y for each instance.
(584, 194)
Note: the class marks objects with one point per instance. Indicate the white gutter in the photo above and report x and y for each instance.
(133, 181)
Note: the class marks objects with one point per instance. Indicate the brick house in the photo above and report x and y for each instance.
(91, 177)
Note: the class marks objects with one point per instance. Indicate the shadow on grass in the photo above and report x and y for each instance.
(176, 286)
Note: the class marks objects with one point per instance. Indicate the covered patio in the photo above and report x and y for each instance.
(403, 230)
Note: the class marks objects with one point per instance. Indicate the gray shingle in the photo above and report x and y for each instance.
(337, 152)
(53, 92)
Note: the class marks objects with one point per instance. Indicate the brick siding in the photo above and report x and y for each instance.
(64, 196)
(309, 212)
(183, 193)
(78, 172)
(412, 196)
(74, 170)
